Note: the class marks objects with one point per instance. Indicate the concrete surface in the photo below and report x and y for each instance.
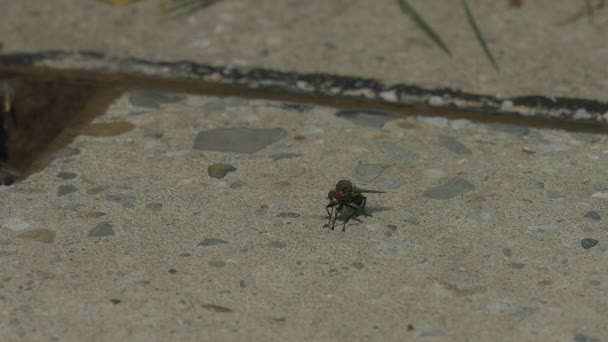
(162, 230)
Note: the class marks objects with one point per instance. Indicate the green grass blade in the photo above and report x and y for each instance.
(422, 25)
(478, 34)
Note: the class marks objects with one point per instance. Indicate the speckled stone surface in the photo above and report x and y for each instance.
(484, 233)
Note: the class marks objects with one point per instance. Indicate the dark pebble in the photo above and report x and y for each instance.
(454, 145)
(358, 265)
(212, 242)
(102, 229)
(585, 338)
(172, 271)
(66, 175)
(220, 170)
(288, 215)
(63, 190)
(152, 99)
(588, 243)
(593, 215)
(367, 118)
(125, 200)
(154, 206)
(280, 156)
(238, 140)
(216, 308)
(516, 265)
(242, 284)
(507, 252)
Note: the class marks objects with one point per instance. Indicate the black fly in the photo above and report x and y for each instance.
(346, 195)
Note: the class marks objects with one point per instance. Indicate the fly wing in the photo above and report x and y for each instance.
(368, 191)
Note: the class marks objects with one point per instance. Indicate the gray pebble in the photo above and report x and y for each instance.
(238, 140)
(236, 184)
(374, 119)
(217, 263)
(277, 244)
(507, 252)
(515, 130)
(66, 189)
(280, 156)
(288, 215)
(395, 151)
(242, 284)
(126, 200)
(539, 185)
(593, 215)
(154, 206)
(296, 107)
(97, 189)
(558, 259)
(588, 243)
(220, 170)
(453, 145)
(585, 338)
(212, 242)
(102, 229)
(66, 175)
(369, 172)
(449, 189)
(152, 99)
(95, 214)
(358, 265)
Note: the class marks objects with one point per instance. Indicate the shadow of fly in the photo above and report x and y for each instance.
(346, 195)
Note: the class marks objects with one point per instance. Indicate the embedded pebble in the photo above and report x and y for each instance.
(526, 312)
(152, 99)
(277, 244)
(366, 118)
(558, 259)
(154, 206)
(280, 156)
(15, 224)
(588, 243)
(515, 130)
(296, 107)
(238, 140)
(220, 170)
(585, 338)
(395, 151)
(66, 175)
(453, 145)
(216, 308)
(216, 263)
(39, 235)
(288, 215)
(550, 148)
(358, 265)
(63, 190)
(212, 242)
(507, 252)
(449, 189)
(126, 200)
(593, 215)
(369, 172)
(102, 229)
(236, 184)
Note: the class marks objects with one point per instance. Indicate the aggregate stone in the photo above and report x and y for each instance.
(593, 215)
(237, 140)
(280, 156)
(374, 119)
(220, 170)
(102, 229)
(288, 215)
(369, 172)
(152, 99)
(453, 145)
(212, 242)
(66, 175)
(217, 263)
(394, 151)
(39, 235)
(588, 243)
(63, 190)
(126, 200)
(449, 189)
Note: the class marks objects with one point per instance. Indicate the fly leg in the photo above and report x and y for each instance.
(329, 213)
(363, 206)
